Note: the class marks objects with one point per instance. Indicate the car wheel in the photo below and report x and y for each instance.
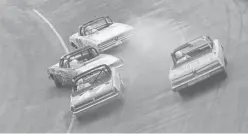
(174, 90)
(225, 61)
(79, 118)
(223, 74)
(122, 86)
(121, 98)
(57, 83)
(121, 95)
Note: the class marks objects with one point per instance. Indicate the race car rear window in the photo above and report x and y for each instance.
(194, 45)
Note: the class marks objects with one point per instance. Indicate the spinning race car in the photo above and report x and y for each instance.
(79, 61)
(94, 88)
(196, 61)
(101, 33)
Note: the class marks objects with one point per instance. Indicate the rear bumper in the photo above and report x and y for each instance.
(97, 104)
(198, 79)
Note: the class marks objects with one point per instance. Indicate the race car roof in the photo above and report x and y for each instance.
(80, 75)
(76, 51)
(99, 18)
(188, 43)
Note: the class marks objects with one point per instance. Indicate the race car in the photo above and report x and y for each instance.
(95, 88)
(78, 61)
(196, 61)
(101, 33)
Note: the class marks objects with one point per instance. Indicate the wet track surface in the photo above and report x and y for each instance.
(29, 102)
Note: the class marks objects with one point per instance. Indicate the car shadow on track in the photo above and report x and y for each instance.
(119, 49)
(99, 113)
(200, 88)
(54, 92)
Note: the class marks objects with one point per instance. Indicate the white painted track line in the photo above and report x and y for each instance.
(71, 124)
(72, 119)
(54, 30)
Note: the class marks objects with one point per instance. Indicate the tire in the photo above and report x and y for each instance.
(122, 96)
(122, 86)
(225, 61)
(57, 83)
(173, 90)
(78, 118)
(121, 99)
(223, 74)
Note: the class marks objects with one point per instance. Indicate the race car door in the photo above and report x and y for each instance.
(66, 74)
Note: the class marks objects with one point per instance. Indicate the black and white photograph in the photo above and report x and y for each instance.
(124, 66)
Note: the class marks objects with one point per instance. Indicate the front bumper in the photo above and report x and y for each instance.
(198, 78)
(97, 103)
(120, 41)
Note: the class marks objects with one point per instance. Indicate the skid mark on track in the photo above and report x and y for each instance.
(3, 109)
(228, 26)
(175, 114)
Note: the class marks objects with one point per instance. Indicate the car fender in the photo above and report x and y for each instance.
(116, 80)
(219, 51)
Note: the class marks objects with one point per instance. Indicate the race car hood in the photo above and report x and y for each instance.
(77, 98)
(110, 32)
(51, 69)
(97, 61)
(192, 65)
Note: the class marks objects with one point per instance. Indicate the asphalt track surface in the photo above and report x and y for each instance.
(29, 102)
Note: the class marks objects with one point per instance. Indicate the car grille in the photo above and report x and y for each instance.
(107, 43)
(95, 100)
(112, 41)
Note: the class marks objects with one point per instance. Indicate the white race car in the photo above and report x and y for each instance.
(95, 88)
(101, 33)
(78, 61)
(196, 61)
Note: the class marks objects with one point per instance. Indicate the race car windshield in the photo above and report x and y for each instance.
(76, 60)
(95, 26)
(194, 50)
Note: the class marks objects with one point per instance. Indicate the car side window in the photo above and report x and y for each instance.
(65, 64)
